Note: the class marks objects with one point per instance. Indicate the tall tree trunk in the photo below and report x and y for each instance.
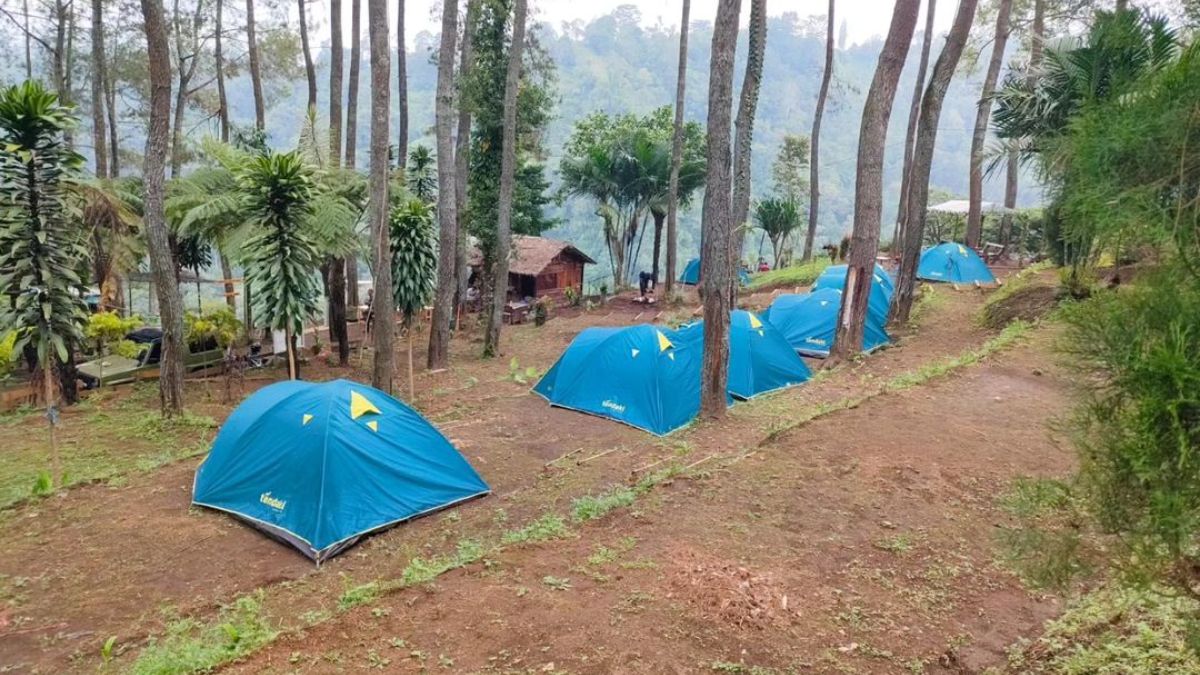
(384, 306)
(185, 70)
(814, 170)
(99, 142)
(462, 155)
(659, 218)
(260, 107)
(918, 199)
(744, 130)
(914, 113)
(69, 68)
(676, 153)
(28, 44)
(716, 266)
(447, 200)
(227, 275)
(508, 168)
(982, 114)
(337, 309)
(219, 64)
(162, 265)
(1011, 175)
(310, 71)
(335, 96)
(402, 86)
(352, 97)
(114, 139)
(868, 184)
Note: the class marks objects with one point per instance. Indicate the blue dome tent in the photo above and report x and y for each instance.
(809, 321)
(691, 274)
(640, 375)
(882, 288)
(319, 465)
(760, 358)
(953, 263)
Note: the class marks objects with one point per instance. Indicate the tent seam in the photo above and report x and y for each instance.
(324, 462)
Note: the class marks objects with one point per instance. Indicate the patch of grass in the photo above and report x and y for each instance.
(1045, 547)
(557, 583)
(796, 275)
(423, 570)
(1116, 630)
(929, 300)
(591, 507)
(1011, 334)
(549, 526)
(190, 646)
(605, 555)
(1033, 497)
(739, 668)
(358, 595)
(897, 543)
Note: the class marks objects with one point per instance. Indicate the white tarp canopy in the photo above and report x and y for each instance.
(962, 206)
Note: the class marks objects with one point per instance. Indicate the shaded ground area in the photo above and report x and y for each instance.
(106, 560)
(859, 543)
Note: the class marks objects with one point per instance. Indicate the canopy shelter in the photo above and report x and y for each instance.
(963, 207)
(954, 263)
(691, 274)
(808, 321)
(639, 375)
(319, 465)
(882, 288)
(760, 358)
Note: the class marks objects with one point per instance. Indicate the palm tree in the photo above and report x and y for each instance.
(195, 254)
(41, 246)
(414, 266)
(277, 191)
(777, 218)
(421, 174)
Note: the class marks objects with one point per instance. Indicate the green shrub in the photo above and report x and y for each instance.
(7, 358)
(215, 325)
(193, 647)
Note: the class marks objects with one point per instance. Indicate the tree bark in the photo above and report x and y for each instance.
(384, 307)
(983, 113)
(814, 170)
(162, 265)
(1011, 175)
(402, 86)
(114, 139)
(260, 108)
(28, 44)
(744, 129)
(676, 153)
(335, 103)
(868, 186)
(659, 217)
(352, 106)
(222, 97)
(227, 275)
(99, 142)
(716, 266)
(914, 113)
(447, 200)
(918, 198)
(508, 167)
(462, 156)
(310, 71)
(337, 309)
(185, 73)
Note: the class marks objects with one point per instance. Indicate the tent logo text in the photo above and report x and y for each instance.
(616, 407)
(277, 504)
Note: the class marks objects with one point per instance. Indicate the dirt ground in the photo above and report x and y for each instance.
(859, 541)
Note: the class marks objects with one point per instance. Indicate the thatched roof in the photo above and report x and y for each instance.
(531, 255)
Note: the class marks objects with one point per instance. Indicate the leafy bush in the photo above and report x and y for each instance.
(8, 358)
(1137, 425)
(218, 326)
(109, 329)
(572, 296)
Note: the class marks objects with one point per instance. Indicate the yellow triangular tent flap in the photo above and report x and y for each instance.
(663, 343)
(373, 426)
(307, 418)
(359, 405)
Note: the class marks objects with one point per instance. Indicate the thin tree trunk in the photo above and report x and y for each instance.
(185, 73)
(676, 153)
(222, 97)
(983, 113)
(508, 167)
(1012, 173)
(310, 71)
(402, 86)
(716, 267)
(659, 219)
(28, 44)
(51, 402)
(335, 98)
(114, 139)
(868, 186)
(918, 200)
(814, 169)
(260, 108)
(162, 265)
(914, 113)
(69, 69)
(384, 307)
(352, 104)
(337, 309)
(447, 200)
(744, 129)
(462, 155)
(99, 143)
(227, 275)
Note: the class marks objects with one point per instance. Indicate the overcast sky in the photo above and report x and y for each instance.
(864, 18)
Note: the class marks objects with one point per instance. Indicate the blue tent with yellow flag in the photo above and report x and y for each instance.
(319, 465)
(640, 375)
(691, 274)
(760, 358)
(882, 288)
(808, 321)
(953, 263)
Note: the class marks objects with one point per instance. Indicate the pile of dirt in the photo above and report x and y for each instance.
(729, 593)
(1028, 303)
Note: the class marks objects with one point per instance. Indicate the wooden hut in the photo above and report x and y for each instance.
(541, 267)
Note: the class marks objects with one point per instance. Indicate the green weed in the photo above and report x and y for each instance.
(549, 526)
(190, 646)
(358, 595)
(557, 583)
